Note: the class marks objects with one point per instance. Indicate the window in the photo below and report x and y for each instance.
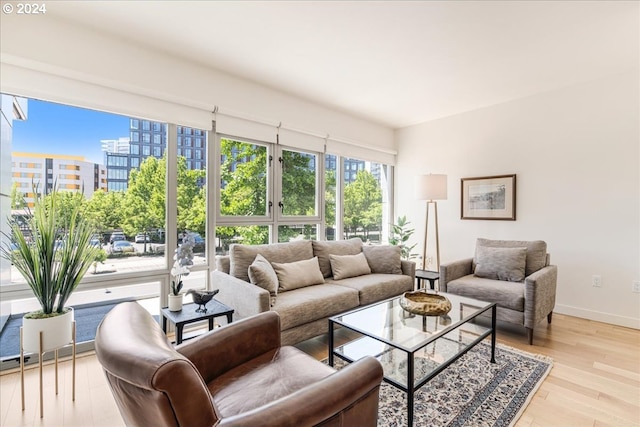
(146, 125)
(157, 138)
(126, 181)
(157, 127)
(146, 138)
(243, 178)
(366, 199)
(146, 150)
(192, 203)
(330, 196)
(135, 136)
(299, 184)
(157, 151)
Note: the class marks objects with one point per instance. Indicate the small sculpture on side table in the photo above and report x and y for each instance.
(202, 298)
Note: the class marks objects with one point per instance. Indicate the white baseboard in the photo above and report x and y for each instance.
(598, 316)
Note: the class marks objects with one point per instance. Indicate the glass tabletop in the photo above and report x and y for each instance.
(395, 336)
(388, 322)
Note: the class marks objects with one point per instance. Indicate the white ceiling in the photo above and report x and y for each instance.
(393, 62)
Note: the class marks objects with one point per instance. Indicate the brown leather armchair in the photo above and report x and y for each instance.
(237, 375)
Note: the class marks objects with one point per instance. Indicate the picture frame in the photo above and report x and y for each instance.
(488, 197)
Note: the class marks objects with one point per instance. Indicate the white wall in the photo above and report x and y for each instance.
(576, 153)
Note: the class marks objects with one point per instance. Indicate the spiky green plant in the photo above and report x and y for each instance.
(52, 252)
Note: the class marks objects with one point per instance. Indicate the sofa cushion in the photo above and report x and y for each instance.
(293, 275)
(223, 263)
(344, 266)
(243, 255)
(322, 249)
(262, 274)
(500, 263)
(376, 287)
(304, 305)
(536, 251)
(384, 259)
(265, 379)
(505, 294)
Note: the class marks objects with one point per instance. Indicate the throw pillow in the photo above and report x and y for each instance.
(294, 275)
(243, 255)
(345, 266)
(536, 251)
(383, 259)
(262, 274)
(500, 263)
(323, 249)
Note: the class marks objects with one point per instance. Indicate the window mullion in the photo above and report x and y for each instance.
(277, 170)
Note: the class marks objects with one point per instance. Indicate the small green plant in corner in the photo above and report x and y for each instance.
(400, 234)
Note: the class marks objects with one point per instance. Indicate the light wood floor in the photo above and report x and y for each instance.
(595, 381)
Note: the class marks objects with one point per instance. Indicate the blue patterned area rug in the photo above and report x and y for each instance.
(471, 392)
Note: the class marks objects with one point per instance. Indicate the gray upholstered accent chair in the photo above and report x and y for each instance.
(514, 274)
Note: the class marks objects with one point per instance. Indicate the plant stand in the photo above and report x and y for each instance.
(40, 357)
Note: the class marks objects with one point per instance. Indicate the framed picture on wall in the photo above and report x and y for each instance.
(488, 197)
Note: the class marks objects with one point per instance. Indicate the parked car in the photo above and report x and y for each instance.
(199, 243)
(141, 238)
(122, 246)
(95, 243)
(117, 236)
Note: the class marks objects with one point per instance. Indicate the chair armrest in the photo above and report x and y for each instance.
(408, 268)
(246, 299)
(539, 294)
(222, 349)
(454, 270)
(352, 392)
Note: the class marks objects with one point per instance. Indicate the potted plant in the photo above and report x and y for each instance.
(182, 261)
(400, 234)
(51, 249)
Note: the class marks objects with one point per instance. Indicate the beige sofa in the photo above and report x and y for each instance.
(306, 282)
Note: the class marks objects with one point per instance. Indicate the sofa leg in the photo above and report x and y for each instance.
(549, 317)
(530, 335)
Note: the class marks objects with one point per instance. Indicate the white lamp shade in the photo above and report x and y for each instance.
(431, 187)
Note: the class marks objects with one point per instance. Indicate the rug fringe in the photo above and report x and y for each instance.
(534, 390)
(537, 356)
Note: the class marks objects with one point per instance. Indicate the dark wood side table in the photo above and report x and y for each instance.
(188, 314)
(431, 276)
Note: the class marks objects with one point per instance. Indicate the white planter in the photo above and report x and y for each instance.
(56, 332)
(175, 302)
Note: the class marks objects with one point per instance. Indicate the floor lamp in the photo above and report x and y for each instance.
(431, 187)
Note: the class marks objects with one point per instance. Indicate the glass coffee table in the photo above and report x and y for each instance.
(414, 348)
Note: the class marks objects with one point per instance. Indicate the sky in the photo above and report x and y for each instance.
(60, 129)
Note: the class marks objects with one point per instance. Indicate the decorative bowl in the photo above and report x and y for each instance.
(419, 302)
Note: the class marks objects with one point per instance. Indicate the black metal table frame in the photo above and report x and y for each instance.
(209, 315)
(411, 386)
(428, 275)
